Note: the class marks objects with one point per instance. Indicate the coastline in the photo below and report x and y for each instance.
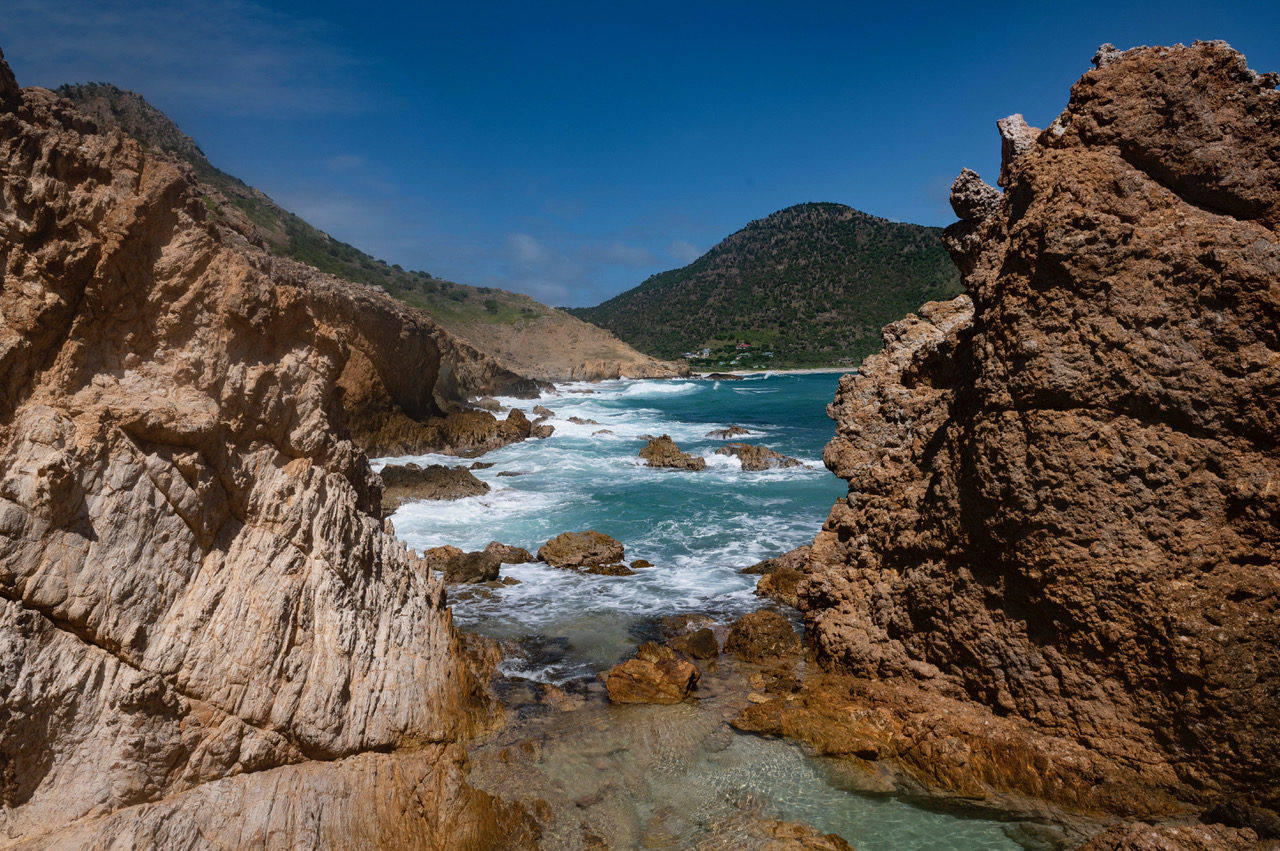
(811, 370)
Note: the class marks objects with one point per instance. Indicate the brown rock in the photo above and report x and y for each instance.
(673, 625)
(792, 560)
(655, 675)
(640, 563)
(543, 411)
(581, 421)
(488, 403)
(757, 457)
(1138, 836)
(698, 644)
(209, 637)
(542, 432)
(508, 554)
(723, 376)
(407, 482)
(663, 452)
(580, 549)
(726, 433)
(1062, 486)
(762, 635)
(460, 567)
(782, 585)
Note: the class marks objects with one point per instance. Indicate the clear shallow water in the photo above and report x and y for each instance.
(698, 528)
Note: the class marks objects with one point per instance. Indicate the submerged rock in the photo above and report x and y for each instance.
(663, 452)
(655, 675)
(758, 457)
(460, 567)
(407, 482)
(723, 376)
(509, 554)
(609, 570)
(581, 549)
(761, 636)
(696, 644)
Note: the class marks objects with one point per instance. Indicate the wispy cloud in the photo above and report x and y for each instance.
(528, 251)
(683, 252)
(228, 56)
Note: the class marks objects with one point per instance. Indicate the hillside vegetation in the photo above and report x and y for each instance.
(809, 285)
(527, 336)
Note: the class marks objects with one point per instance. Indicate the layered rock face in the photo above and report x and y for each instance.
(1064, 486)
(207, 636)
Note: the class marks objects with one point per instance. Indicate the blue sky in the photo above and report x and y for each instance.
(569, 150)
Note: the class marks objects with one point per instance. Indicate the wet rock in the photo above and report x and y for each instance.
(510, 473)
(673, 625)
(601, 431)
(723, 376)
(479, 465)
(698, 644)
(581, 549)
(609, 570)
(749, 830)
(641, 563)
(783, 585)
(792, 560)
(761, 636)
(542, 432)
(509, 554)
(581, 421)
(407, 482)
(488, 404)
(757, 457)
(655, 675)
(543, 411)
(663, 452)
(726, 433)
(460, 567)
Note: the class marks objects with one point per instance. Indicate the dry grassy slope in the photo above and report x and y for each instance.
(525, 335)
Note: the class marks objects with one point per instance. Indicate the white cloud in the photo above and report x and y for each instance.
(683, 252)
(527, 250)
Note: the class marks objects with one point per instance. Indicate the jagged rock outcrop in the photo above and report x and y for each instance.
(656, 674)
(581, 549)
(1064, 488)
(208, 636)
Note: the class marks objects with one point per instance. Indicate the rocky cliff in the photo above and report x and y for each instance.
(1058, 565)
(207, 638)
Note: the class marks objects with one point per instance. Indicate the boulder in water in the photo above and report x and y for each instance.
(403, 483)
(758, 457)
(698, 644)
(726, 433)
(663, 452)
(581, 549)
(508, 554)
(655, 675)
(460, 567)
(609, 570)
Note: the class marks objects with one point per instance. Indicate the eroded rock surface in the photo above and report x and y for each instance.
(1063, 506)
(206, 630)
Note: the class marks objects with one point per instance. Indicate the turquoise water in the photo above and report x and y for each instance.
(681, 766)
(698, 528)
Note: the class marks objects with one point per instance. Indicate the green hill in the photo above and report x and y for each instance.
(812, 285)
